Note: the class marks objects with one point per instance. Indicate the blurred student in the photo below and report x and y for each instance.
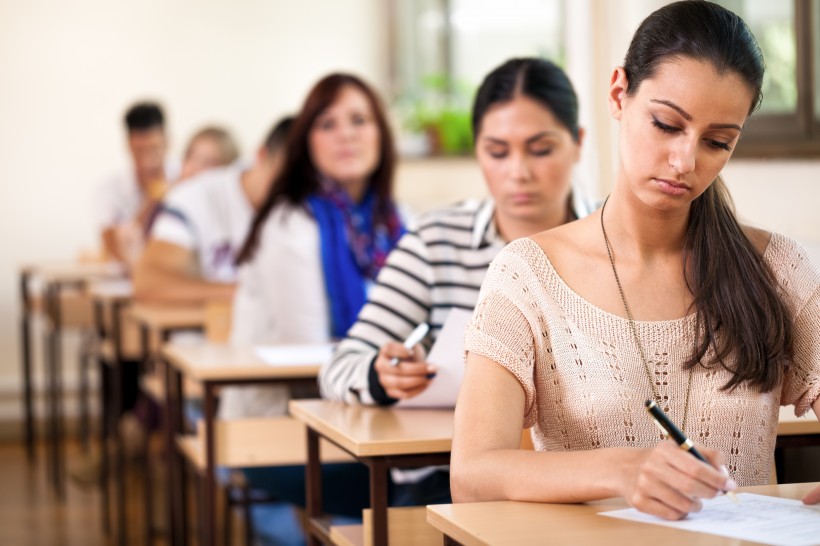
(209, 148)
(130, 195)
(191, 250)
(315, 246)
(527, 141)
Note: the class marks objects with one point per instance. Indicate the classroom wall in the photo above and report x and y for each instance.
(68, 70)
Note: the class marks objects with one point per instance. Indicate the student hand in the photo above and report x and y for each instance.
(410, 377)
(668, 482)
(812, 497)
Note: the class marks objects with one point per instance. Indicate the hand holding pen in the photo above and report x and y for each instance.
(668, 427)
(667, 481)
(401, 369)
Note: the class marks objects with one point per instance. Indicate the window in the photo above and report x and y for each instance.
(788, 121)
(444, 48)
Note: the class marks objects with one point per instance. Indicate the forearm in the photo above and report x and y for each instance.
(345, 377)
(538, 476)
(155, 285)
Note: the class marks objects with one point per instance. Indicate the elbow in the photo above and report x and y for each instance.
(464, 482)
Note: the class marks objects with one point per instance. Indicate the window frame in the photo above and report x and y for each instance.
(794, 135)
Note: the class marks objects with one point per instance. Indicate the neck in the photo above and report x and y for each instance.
(355, 189)
(511, 227)
(252, 182)
(643, 231)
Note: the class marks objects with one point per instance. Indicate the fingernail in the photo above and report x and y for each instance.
(724, 470)
(431, 369)
(731, 485)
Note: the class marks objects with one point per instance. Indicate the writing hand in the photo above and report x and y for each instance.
(410, 377)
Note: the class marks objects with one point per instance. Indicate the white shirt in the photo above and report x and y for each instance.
(209, 215)
(280, 299)
(119, 197)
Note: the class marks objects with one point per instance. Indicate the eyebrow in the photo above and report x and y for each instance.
(530, 140)
(688, 117)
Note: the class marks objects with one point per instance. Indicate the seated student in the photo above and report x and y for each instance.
(316, 244)
(129, 196)
(189, 257)
(660, 295)
(527, 141)
(208, 148)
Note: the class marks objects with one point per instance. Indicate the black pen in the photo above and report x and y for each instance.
(675, 433)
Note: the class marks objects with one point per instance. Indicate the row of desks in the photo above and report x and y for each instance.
(379, 438)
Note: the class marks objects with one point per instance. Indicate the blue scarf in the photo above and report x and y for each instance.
(353, 249)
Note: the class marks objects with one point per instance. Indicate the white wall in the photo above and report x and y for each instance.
(68, 70)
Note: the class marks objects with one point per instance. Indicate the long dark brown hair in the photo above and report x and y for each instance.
(298, 178)
(738, 309)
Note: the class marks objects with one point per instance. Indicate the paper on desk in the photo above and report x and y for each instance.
(758, 518)
(295, 355)
(447, 355)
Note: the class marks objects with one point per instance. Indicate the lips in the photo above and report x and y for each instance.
(672, 187)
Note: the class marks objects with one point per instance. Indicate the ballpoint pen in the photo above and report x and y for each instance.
(415, 337)
(669, 428)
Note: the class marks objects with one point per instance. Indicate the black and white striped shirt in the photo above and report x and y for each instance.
(435, 267)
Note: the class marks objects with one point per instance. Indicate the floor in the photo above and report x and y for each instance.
(31, 515)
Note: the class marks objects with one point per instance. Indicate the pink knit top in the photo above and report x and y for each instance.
(584, 381)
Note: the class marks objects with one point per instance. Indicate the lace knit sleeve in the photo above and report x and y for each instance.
(502, 325)
(799, 281)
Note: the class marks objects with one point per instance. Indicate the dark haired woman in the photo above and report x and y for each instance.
(659, 295)
(322, 234)
(527, 141)
(314, 248)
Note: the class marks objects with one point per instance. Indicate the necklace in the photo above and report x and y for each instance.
(635, 336)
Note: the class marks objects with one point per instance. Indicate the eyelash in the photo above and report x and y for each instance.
(714, 144)
(539, 153)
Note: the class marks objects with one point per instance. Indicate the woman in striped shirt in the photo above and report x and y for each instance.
(527, 141)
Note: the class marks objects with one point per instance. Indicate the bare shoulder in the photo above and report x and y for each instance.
(758, 237)
(571, 244)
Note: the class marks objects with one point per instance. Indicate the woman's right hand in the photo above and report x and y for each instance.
(410, 377)
(668, 482)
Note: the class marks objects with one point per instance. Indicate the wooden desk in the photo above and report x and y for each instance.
(213, 365)
(522, 524)
(55, 278)
(794, 432)
(381, 438)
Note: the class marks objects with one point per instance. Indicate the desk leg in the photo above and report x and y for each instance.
(378, 498)
(119, 450)
(177, 490)
(313, 484)
(52, 298)
(105, 423)
(208, 511)
(25, 348)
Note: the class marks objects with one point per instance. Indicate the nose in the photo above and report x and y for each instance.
(682, 156)
(519, 169)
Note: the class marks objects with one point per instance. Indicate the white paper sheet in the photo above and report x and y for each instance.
(447, 355)
(757, 518)
(295, 355)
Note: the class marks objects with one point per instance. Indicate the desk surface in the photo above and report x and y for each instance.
(789, 425)
(223, 362)
(372, 431)
(159, 317)
(111, 290)
(74, 271)
(522, 523)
